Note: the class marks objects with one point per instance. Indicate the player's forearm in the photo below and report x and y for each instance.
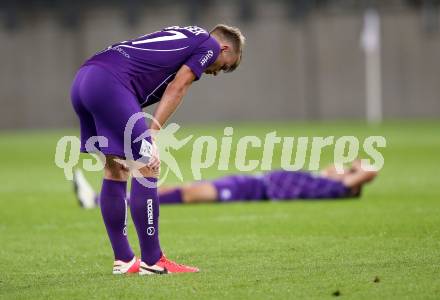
(173, 96)
(167, 106)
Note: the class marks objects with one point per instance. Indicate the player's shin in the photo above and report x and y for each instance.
(144, 207)
(114, 213)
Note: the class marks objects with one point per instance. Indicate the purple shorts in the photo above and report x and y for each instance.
(104, 106)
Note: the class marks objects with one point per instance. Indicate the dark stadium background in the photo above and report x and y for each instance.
(303, 60)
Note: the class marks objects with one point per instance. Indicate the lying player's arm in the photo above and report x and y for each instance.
(173, 96)
(358, 178)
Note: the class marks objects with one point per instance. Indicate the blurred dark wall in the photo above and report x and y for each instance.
(300, 65)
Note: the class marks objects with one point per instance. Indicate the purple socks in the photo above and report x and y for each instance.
(144, 207)
(171, 197)
(114, 213)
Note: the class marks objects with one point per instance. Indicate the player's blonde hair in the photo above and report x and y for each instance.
(234, 36)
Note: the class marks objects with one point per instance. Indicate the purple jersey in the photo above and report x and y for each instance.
(240, 187)
(146, 65)
(278, 185)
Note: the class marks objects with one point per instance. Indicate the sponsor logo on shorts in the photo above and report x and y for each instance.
(146, 148)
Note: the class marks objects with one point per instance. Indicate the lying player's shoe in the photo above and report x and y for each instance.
(131, 267)
(165, 266)
(84, 192)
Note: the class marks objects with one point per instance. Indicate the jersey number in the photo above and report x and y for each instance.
(177, 35)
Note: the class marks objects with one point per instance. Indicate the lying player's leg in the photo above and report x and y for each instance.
(199, 192)
(279, 185)
(226, 189)
(84, 192)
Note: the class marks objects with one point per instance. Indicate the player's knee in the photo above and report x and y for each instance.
(149, 171)
(116, 173)
(115, 170)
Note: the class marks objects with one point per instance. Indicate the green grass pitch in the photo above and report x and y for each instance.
(383, 246)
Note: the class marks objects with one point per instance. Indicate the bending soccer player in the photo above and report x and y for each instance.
(114, 85)
(274, 185)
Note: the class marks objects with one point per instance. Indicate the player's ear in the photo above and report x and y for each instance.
(225, 48)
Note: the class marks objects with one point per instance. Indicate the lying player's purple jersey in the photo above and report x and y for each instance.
(282, 184)
(147, 64)
(279, 185)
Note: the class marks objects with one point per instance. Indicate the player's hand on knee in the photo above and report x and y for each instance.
(154, 162)
(155, 171)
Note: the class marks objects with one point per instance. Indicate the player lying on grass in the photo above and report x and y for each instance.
(114, 85)
(274, 185)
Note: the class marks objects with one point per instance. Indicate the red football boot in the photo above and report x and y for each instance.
(165, 266)
(121, 267)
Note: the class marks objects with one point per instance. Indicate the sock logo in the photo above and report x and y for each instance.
(150, 229)
(124, 231)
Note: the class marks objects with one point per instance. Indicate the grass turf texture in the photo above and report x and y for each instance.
(386, 245)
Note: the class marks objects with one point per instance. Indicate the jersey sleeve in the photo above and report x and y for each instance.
(203, 56)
